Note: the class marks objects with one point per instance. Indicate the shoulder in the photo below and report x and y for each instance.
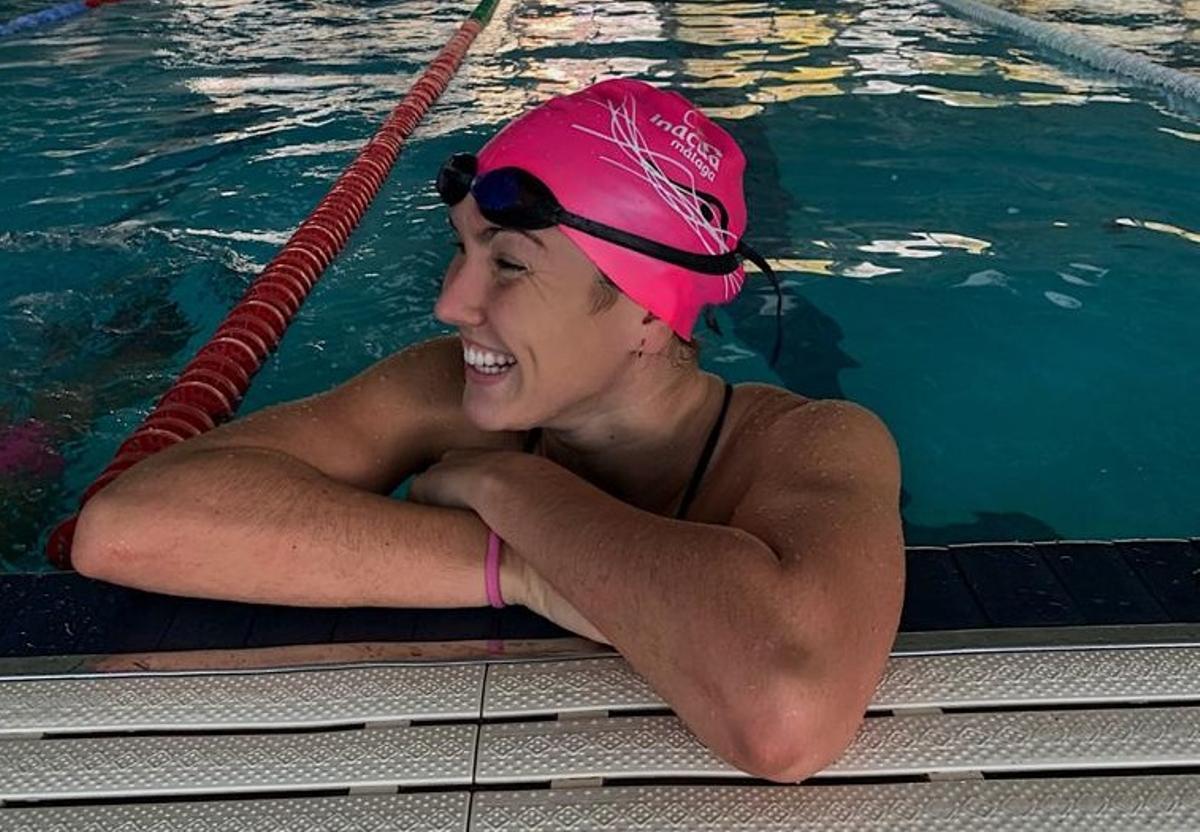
(427, 372)
(420, 386)
(806, 438)
(437, 359)
(429, 376)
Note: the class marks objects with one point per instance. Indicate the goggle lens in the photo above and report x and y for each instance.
(455, 177)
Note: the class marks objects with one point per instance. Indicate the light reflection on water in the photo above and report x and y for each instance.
(964, 224)
(1167, 31)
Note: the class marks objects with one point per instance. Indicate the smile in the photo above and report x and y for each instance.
(486, 361)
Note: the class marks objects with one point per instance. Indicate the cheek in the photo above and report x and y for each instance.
(592, 352)
(555, 327)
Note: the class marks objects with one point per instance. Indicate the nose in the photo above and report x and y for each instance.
(464, 295)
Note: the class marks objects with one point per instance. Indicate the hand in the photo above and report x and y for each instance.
(458, 478)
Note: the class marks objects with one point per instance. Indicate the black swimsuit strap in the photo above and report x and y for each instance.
(705, 456)
(532, 438)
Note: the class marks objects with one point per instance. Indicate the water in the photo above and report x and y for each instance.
(994, 249)
(1166, 31)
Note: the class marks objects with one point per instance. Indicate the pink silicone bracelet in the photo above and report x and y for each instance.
(491, 571)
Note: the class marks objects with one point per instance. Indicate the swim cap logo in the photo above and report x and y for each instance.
(691, 144)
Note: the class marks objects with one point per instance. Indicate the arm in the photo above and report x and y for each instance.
(278, 506)
(767, 636)
(257, 525)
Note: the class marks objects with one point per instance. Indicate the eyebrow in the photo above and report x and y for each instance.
(492, 230)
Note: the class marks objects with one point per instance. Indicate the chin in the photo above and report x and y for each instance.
(482, 414)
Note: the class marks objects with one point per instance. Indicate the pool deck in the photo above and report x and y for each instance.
(1032, 686)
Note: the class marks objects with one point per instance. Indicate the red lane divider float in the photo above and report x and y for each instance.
(213, 383)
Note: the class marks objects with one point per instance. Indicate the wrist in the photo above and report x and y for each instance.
(485, 494)
(500, 483)
(513, 570)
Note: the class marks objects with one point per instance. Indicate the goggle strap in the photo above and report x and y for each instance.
(716, 264)
(758, 260)
(710, 320)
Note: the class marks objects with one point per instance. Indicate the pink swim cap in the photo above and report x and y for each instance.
(645, 161)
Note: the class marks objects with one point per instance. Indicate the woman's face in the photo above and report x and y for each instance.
(526, 297)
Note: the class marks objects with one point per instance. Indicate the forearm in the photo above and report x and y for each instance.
(257, 525)
(677, 599)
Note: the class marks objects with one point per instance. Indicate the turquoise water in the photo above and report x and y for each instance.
(994, 249)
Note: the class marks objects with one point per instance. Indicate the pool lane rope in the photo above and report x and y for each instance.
(1061, 39)
(63, 11)
(212, 385)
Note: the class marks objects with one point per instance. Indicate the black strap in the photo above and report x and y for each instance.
(765, 267)
(705, 456)
(531, 441)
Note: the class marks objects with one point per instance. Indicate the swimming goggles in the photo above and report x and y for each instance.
(514, 198)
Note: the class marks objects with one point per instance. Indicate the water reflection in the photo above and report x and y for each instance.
(762, 24)
(528, 55)
(530, 65)
(1164, 30)
(1161, 227)
(927, 244)
(228, 33)
(797, 53)
(551, 25)
(1191, 137)
(780, 68)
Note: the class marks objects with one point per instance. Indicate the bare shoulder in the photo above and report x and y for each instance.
(429, 367)
(797, 437)
(413, 391)
(427, 375)
(426, 379)
(392, 419)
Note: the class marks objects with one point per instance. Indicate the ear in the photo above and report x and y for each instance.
(655, 333)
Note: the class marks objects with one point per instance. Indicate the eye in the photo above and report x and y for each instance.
(457, 244)
(508, 265)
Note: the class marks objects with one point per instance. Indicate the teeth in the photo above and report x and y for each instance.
(485, 359)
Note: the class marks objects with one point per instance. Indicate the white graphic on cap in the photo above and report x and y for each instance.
(689, 141)
(647, 166)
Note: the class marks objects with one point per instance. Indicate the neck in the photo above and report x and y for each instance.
(640, 445)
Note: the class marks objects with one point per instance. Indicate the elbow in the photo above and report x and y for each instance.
(793, 737)
(97, 550)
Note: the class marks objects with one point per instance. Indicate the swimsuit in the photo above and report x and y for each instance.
(710, 445)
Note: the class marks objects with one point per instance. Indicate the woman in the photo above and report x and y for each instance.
(741, 548)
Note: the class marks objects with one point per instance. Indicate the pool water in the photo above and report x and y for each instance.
(1166, 31)
(994, 248)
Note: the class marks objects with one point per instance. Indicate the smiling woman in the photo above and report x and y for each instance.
(740, 546)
